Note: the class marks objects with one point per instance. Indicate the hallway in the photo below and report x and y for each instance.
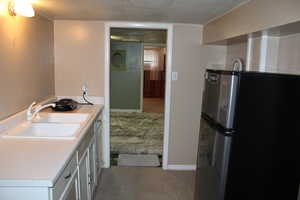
(141, 183)
(153, 105)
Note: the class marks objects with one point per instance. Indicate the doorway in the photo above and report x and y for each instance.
(154, 78)
(118, 58)
(137, 83)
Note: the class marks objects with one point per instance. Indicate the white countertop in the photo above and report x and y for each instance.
(37, 163)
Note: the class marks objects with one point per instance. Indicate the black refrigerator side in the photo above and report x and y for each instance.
(264, 159)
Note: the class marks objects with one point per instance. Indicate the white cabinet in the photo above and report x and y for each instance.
(92, 167)
(88, 165)
(87, 172)
(98, 128)
(72, 190)
(64, 179)
(84, 178)
(78, 179)
(90, 159)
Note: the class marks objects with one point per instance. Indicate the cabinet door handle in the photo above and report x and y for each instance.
(68, 176)
(90, 179)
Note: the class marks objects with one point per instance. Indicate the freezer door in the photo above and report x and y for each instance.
(227, 100)
(212, 163)
(219, 97)
(211, 94)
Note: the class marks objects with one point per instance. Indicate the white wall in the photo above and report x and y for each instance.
(289, 54)
(255, 15)
(237, 50)
(190, 59)
(271, 54)
(79, 58)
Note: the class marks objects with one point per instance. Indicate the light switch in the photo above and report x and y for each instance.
(174, 76)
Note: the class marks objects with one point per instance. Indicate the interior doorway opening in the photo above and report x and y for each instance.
(137, 96)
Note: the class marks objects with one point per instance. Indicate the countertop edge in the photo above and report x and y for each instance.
(51, 182)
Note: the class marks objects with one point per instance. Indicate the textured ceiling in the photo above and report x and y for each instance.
(175, 11)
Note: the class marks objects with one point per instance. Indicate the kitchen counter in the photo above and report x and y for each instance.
(37, 163)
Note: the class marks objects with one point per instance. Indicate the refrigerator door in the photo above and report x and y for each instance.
(212, 162)
(219, 96)
(211, 94)
(227, 100)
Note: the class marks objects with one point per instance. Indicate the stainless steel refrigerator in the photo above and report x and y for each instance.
(249, 141)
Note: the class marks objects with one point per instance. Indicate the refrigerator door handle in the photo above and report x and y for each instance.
(220, 129)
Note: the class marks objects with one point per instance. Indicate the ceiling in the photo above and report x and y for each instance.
(139, 35)
(174, 11)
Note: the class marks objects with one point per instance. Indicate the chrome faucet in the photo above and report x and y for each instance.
(32, 112)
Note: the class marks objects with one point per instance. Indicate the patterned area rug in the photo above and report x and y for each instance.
(136, 133)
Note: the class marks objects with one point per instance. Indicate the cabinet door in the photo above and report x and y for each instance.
(84, 178)
(71, 192)
(92, 165)
(98, 133)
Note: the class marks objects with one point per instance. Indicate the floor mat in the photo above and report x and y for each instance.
(136, 133)
(139, 160)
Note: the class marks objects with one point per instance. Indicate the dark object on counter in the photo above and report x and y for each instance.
(65, 105)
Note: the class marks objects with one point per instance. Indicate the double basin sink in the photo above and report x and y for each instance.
(49, 126)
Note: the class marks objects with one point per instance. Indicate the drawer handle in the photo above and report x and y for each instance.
(68, 176)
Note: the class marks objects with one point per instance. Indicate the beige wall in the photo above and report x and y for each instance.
(251, 17)
(26, 62)
(238, 50)
(271, 54)
(190, 59)
(79, 57)
(289, 54)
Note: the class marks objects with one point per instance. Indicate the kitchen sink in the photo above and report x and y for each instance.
(58, 131)
(60, 118)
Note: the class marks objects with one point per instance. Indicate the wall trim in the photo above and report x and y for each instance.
(182, 167)
(125, 110)
(79, 99)
(106, 119)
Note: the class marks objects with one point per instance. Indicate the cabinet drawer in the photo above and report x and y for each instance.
(64, 178)
(85, 143)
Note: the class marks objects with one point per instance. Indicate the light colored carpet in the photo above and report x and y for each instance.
(139, 160)
(136, 133)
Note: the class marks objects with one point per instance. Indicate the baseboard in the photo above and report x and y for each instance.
(182, 167)
(92, 99)
(125, 110)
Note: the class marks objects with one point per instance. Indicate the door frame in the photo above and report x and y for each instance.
(142, 80)
(167, 107)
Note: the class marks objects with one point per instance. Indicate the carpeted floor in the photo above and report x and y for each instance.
(136, 133)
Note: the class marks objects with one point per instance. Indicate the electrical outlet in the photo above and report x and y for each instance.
(84, 89)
